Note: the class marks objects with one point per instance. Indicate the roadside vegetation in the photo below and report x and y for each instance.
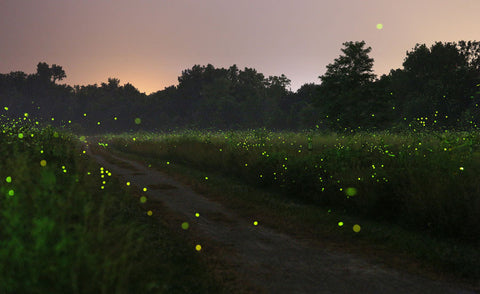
(416, 192)
(67, 226)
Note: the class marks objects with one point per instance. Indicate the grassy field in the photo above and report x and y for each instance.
(416, 193)
(67, 226)
(63, 228)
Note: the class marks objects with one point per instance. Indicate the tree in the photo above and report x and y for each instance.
(471, 51)
(440, 81)
(113, 84)
(345, 88)
(57, 73)
(47, 74)
(278, 101)
(43, 72)
(354, 68)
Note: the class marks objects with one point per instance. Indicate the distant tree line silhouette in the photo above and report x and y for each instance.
(437, 88)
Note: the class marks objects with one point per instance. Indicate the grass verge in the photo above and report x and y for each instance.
(67, 226)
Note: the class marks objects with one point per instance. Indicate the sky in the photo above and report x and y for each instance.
(148, 43)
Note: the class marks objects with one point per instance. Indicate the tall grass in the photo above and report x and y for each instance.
(427, 181)
(67, 227)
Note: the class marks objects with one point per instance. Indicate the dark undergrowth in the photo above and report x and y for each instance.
(67, 226)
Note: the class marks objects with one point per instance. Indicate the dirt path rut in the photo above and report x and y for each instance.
(272, 261)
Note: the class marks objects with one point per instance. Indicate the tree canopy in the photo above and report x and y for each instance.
(437, 87)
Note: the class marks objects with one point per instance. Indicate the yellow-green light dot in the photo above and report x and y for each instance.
(20, 136)
(340, 224)
(185, 226)
(461, 168)
(138, 121)
(379, 26)
(206, 178)
(25, 114)
(356, 228)
(6, 108)
(11, 193)
(149, 213)
(128, 183)
(255, 223)
(197, 214)
(143, 199)
(43, 162)
(350, 191)
(144, 189)
(8, 179)
(198, 247)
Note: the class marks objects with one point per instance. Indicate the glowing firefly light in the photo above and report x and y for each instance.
(356, 228)
(351, 191)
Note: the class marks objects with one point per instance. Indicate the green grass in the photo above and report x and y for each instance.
(67, 226)
(419, 191)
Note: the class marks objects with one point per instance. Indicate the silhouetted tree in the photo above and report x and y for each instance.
(307, 114)
(345, 89)
(57, 73)
(437, 83)
(46, 73)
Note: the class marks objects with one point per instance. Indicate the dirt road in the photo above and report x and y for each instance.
(272, 261)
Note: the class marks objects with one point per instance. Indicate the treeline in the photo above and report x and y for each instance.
(438, 87)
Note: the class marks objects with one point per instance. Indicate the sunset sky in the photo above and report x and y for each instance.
(149, 42)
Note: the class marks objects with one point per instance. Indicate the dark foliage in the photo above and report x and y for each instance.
(438, 87)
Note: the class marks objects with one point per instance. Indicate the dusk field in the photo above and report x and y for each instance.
(70, 225)
(225, 146)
